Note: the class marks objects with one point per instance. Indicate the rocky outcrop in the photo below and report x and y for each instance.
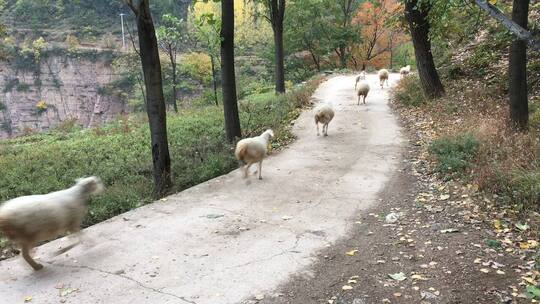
(57, 89)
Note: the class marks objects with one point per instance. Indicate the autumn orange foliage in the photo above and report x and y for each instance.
(381, 33)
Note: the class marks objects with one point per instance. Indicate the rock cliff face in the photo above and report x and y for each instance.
(59, 88)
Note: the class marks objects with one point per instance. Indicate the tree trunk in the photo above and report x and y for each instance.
(228, 82)
(155, 102)
(214, 78)
(173, 64)
(517, 72)
(417, 17)
(316, 61)
(276, 10)
(342, 56)
(279, 58)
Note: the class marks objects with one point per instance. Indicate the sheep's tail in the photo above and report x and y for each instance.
(241, 151)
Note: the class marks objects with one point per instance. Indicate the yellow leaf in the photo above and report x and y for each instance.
(352, 252)
(532, 244)
(524, 245)
(27, 299)
(418, 277)
(497, 224)
(492, 2)
(347, 287)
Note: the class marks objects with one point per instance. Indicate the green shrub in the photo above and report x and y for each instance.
(196, 66)
(409, 92)
(525, 188)
(534, 118)
(454, 154)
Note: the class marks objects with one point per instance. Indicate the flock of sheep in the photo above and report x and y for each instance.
(28, 220)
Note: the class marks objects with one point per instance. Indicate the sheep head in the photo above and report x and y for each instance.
(270, 132)
(90, 185)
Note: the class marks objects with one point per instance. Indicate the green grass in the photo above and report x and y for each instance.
(119, 152)
(454, 155)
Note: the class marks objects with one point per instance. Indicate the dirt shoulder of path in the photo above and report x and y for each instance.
(444, 243)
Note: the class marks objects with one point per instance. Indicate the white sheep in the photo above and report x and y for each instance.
(27, 220)
(405, 71)
(361, 76)
(383, 76)
(324, 115)
(363, 90)
(253, 150)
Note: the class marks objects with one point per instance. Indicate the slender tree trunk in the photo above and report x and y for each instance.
(213, 64)
(279, 58)
(417, 17)
(342, 56)
(155, 105)
(517, 70)
(316, 61)
(276, 10)
(228, 81)
(173, 64)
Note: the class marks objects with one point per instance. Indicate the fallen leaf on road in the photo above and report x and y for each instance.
(352, 281)
(397, 294)
(214, 216)
(259, 297)
(286, 217)
(27, 299)
(500, 272)
(444, 197)
(400, 276)
(347, 287)
(352, 252)
(484, 270)
(450, 230)
(521, 226)
(418, 277)
(66, 291)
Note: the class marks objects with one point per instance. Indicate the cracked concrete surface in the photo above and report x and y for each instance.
(230, 238)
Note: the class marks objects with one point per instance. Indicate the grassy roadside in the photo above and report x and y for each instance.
(119, 152)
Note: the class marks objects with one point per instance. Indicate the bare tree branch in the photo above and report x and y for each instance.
(513, 27)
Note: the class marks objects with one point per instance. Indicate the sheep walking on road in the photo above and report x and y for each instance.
(404, 71)
(324, 115)
(383, 77)
(253, 150)
(361, 76)
(363, 90)
(28, 220)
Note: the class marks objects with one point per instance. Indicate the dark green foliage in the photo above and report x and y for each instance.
(454, 154)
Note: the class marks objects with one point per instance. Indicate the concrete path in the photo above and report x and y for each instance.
(230, 239)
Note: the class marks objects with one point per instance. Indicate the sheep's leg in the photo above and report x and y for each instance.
(317, 128)
(364, 99)
(358, 103)
(326, 129)
(246, 172)
(76, 234)
(260, 169)
(26, 255)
